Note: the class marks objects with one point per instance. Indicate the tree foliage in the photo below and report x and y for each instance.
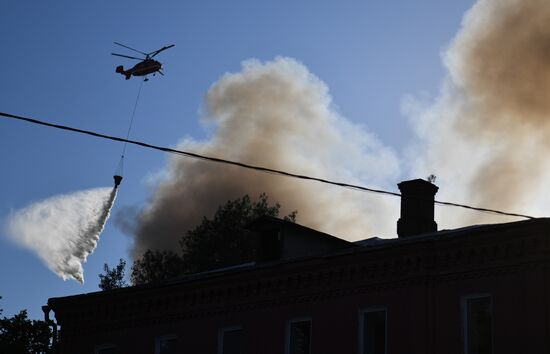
(113, 278)
(19, 335)
(223, 240)
(220, 241)
(155, 266)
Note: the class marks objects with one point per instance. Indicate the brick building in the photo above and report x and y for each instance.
(475, 290)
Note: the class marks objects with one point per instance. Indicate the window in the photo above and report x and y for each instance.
(166, 344)
(299, 336)
(105, 349)
(230, 340)
(372, 331)
(478, 324)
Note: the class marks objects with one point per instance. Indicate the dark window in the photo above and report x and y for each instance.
(299, 341)
(373, 336)
(232, 341)
(166, 345)
(478, 326)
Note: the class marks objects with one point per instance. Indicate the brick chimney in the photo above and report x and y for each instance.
(417, 208)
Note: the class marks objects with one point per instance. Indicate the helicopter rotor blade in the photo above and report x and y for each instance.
(160, 72)
(152, 54)
(125, 46)
(126, 56)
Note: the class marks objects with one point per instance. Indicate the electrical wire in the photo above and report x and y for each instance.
(248, 166)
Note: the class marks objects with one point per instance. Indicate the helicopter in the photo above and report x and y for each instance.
(146, 65)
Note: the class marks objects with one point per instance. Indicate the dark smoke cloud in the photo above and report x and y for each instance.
(274, 114)
(502, 59)
(490, 128)
(485, 137)
(503, 63)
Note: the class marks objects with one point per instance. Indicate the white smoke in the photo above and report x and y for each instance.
(63, 230)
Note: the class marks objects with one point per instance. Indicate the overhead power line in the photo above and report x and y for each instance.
(248, 166)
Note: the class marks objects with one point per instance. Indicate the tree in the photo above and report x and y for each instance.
(224, 239)
(19, 335)
(214, 243)
(155, 266)
(113, 278)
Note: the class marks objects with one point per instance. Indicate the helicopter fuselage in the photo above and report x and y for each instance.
(145, 67)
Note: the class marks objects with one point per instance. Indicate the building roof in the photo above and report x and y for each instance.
(340, 248)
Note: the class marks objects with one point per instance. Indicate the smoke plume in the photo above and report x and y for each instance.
(487, 135)
(274, 114)
(63, 230)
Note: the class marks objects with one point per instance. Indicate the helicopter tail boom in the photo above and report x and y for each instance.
(120, 70)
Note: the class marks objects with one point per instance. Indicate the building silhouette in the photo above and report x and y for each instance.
(475, 290)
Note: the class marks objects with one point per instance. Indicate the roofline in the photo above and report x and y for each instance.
(274, 220)
(252, 266)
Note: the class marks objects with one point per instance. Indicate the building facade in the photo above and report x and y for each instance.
(475, 290)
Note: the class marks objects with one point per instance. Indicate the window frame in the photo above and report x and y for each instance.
(287, 332)
(465, 328)
(221, 332)
(361, 327)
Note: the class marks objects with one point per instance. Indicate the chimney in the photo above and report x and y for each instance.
(417, 208)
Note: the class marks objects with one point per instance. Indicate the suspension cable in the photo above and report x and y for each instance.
(120, 168)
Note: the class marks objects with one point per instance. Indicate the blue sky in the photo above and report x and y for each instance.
(57, 66)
